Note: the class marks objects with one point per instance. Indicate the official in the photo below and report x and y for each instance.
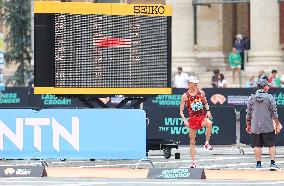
(260, 118)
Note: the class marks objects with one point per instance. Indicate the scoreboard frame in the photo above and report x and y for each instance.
(44, 46)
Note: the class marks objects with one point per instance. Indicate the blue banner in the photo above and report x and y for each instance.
(73, 133)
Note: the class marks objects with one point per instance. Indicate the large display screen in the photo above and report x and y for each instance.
(109, 46)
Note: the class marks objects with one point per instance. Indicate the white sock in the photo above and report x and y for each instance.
(207, 142)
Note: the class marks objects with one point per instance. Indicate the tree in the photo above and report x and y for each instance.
(17, 18)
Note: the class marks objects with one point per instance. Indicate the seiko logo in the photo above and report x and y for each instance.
(218, 98)
(9, 171)
(154, 9)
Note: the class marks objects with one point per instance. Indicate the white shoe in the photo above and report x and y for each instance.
(193, 165)
(208, 147)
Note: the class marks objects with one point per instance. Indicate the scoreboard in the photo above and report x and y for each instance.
(92, 48)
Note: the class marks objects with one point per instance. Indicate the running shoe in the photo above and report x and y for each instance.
(193, 165)
(208, 147)
(274, 167)
(258, 167)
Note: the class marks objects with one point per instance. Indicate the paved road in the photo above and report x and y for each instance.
(123, 182)
(222, 157)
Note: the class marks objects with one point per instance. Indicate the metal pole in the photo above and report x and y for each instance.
(32, 32)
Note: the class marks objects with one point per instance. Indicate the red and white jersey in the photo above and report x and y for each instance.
(195, 105)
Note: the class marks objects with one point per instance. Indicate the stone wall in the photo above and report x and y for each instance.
(243, 18)
(227, 27)
(209, 28)
(281, 7)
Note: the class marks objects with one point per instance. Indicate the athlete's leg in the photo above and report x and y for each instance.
(208, 125)
(192, 136)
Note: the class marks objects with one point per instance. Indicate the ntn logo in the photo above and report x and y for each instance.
(58, 130)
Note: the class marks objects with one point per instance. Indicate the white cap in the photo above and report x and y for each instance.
(240, 36)
(192, 79)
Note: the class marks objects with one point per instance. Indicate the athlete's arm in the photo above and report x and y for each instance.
(181, 108)
(206, 105)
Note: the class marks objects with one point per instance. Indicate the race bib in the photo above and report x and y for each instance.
(196, 105)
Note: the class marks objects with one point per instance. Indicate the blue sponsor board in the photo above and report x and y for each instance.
(73, 133)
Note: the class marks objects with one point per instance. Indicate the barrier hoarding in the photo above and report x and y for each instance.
(245, 137)
(165, 123)
(22, 171)
(238, 97)
(73, 133)
(23, 97)
(53, 101)
(165, 100)
(19, 97)
(234, 97)
(14, 97)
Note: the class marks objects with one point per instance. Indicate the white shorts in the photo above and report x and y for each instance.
(238, 66)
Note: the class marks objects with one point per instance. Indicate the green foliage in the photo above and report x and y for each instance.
(17, 18)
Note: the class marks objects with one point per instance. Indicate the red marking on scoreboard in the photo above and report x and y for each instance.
(112, 42)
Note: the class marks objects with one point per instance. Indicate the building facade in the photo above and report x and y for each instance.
(203, 33)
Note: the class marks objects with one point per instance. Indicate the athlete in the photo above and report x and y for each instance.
(199, 115)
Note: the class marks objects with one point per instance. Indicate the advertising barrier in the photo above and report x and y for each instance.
(14, 97)
(245, 138)
(172, 100)
(163, 110)
(23, 97)
(234, 97)
(53, 101)
(238, 97)
(22, 171)
(166, 123)
(178, 173)
(73, 133)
